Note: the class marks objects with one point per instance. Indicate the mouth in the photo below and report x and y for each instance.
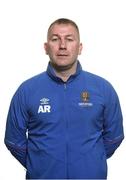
(62, 55)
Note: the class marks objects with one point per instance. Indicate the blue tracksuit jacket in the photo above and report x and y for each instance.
(63, 130)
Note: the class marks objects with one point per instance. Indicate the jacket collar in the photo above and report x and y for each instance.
(50, 71)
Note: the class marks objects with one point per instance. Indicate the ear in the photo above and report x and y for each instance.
(80, 48)
(46, 48)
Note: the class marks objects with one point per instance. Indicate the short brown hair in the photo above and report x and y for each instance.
(64, 21)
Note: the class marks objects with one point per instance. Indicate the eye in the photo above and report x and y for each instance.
(69, 39)
(55, 38)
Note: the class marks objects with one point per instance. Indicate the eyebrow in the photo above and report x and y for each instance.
(68, 35)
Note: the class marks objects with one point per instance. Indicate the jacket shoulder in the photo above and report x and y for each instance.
(99, 84)
(33, 81)
(32, 84)
(96, 79)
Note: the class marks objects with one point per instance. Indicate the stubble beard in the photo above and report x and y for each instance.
(60, 68)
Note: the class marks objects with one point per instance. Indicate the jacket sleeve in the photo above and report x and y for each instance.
(113, 122)
(16, 128)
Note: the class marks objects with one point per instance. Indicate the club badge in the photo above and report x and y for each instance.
(85, 96)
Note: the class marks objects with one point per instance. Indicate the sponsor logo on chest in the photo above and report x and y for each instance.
(85, 96)
(44, 106)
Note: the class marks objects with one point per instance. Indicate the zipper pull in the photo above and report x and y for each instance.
(64, 85)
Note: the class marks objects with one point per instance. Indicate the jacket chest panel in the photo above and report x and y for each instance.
(54, 105)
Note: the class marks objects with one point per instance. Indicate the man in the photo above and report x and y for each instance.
(64, 123)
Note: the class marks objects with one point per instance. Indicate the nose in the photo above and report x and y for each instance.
(62, 44)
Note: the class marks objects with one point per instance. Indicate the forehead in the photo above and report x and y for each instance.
(63, 29)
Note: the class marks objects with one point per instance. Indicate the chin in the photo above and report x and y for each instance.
(62, 66)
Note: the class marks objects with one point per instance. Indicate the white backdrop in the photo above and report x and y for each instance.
(23, 27)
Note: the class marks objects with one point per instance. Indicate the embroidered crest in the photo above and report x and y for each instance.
(85, 96)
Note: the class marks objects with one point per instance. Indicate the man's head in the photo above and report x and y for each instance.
(63, 43)
(65, 22)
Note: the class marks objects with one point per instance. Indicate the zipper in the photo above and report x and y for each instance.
(66, 124)
(65, 86)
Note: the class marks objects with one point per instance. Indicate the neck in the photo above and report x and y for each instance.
(64, 74)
